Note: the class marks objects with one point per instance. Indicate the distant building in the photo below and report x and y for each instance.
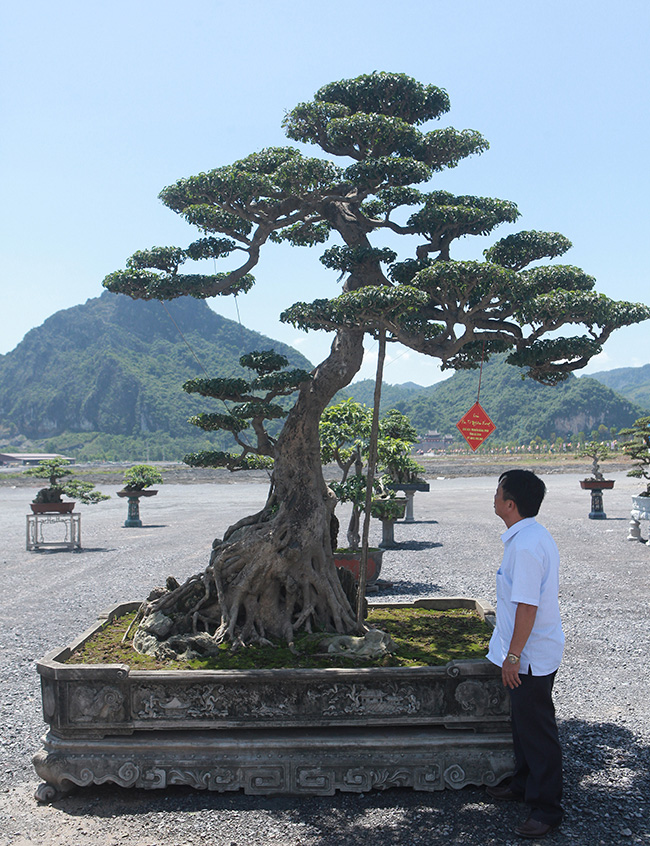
(433, 440)
(28, 458)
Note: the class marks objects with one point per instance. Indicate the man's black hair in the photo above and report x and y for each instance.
(525, 489)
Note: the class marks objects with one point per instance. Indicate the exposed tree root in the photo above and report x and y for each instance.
(268, 578)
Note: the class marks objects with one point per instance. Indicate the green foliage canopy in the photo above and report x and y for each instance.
(457, 311)
(255, 406)
(59, 475)
(638, 448)
(141, 476)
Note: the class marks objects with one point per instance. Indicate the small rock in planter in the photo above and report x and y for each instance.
(374, 644)
(157, 624)
(144, 643)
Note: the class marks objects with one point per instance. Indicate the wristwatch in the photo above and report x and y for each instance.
(511, 658)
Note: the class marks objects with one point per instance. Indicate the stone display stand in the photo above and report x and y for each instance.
(409, 491)
(640, 511)
(274, 731)
(596, 488)
(133, 515)
(36, 536)
(387, 535)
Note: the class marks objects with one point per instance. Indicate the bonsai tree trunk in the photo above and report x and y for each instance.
(273, 573)
(354, 526)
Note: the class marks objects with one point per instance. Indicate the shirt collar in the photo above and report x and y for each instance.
(520, 524)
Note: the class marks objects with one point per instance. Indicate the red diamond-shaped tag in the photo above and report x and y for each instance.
(475, 426)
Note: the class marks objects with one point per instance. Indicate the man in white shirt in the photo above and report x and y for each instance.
(527, 644)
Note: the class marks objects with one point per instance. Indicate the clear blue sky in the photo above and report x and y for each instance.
(103, 104)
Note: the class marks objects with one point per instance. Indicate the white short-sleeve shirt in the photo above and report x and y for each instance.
(529, 573)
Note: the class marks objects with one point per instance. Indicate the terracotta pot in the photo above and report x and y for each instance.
(352, 562)
(596, 485)
(52, 507)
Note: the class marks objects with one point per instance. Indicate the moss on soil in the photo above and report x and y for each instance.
(422, 637)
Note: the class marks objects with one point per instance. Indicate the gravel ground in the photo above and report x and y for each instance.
(454, 548)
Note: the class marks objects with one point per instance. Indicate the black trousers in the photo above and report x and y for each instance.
(538, 755)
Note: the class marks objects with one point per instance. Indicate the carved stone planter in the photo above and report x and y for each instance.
(273, 731)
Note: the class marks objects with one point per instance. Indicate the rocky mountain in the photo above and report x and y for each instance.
(630, 382)
(364, 392)
(520, 408)
(104, 380)
(116, 366)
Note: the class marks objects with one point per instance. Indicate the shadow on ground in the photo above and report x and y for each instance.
(79, 551)
(415, 545)
(417, 588)
(417, 523)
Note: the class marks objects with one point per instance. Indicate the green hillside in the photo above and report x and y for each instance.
(116, 366)
(521, 409)
(104, 380)
(630, 382)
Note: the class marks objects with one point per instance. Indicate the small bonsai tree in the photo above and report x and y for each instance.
(345, 439)
(141, 476)
(397, 437)
(638, 448)
(59, 476)
(249, 405)
(598, 452)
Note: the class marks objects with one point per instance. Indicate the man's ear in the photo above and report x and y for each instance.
(511, 505)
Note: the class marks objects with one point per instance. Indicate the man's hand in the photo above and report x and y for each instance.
(510, 674)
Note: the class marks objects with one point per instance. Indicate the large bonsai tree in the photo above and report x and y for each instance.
(272, 573)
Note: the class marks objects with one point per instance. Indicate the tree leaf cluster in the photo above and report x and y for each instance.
(254, 409)
(637, 446)
(457, 311)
